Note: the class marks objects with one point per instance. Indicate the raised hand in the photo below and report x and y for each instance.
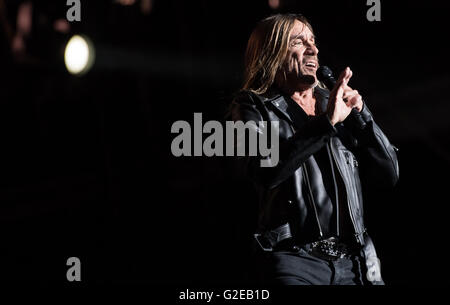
(343, 99)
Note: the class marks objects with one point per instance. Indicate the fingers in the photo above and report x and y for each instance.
(352, 98)
(350, 74)
(354, 101)
(344, 76)
(342, 82)
(348, 94)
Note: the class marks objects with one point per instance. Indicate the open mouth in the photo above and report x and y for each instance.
(311, 64)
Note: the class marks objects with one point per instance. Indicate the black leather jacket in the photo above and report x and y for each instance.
(288, 188)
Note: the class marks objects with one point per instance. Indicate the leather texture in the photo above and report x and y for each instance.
(361, 153)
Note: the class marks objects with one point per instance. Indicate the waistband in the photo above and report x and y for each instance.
(329, 249)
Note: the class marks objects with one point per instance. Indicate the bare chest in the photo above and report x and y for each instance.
(309, 107)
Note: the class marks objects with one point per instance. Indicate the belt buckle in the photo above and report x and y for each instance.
(327, 249)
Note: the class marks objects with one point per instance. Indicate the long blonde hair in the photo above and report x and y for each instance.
(266, 50)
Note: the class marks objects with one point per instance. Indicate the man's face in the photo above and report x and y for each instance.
(301, 60)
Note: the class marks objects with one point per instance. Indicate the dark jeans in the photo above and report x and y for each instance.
(302, 268)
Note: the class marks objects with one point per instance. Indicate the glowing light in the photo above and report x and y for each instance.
(79, 55)
(274, 4)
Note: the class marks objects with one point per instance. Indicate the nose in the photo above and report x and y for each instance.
(311, 49)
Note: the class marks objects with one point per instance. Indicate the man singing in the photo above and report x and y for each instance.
(310, 223)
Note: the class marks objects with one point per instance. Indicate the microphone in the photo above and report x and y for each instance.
(325, 75)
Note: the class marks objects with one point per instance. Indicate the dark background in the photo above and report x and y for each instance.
(86, 168)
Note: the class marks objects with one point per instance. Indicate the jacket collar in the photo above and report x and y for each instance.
(321, 96)
(276, 98)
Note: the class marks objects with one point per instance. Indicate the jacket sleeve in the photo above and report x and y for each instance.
(307, 140)
(378, 158)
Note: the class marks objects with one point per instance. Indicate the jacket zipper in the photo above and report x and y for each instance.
(335, 188)
(305, 175)
(352, 217)
(308, 184)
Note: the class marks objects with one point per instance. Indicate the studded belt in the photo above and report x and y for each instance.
(330, 249)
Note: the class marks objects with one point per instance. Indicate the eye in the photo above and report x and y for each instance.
(297, 42)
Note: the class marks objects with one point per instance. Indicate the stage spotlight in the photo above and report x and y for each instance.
(79, 55)
(274, 4)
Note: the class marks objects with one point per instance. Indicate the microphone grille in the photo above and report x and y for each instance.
(324, 73)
